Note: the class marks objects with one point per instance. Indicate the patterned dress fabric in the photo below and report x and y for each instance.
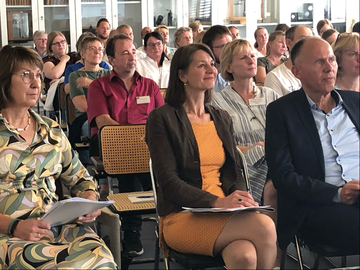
(193, 227)
(27, 191)
(249, 128)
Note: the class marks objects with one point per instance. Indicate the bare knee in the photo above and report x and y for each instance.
(240, 254)
(266, 229)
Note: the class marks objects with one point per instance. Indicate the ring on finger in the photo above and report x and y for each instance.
(239, 200)
(38, 235)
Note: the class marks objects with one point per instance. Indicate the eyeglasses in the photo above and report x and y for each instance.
(342, 35)
(28, 76)
(43, 39)
(94, 49)
(157, 44)
(59, 43)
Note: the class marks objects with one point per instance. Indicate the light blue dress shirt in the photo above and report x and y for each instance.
(340, 143)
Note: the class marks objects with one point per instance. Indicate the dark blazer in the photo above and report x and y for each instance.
(176, 162)
(295, 158)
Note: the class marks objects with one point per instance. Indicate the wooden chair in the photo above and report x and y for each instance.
(192, 261)
(122, 151)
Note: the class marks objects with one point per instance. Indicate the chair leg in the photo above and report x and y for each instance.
(157, 250)
(283, 259)
(343, 261)
(298, 252)
(317, 261)
(167, 264)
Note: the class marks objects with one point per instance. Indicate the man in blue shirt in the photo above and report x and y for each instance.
(312, 148)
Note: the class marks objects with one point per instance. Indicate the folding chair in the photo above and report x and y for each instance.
(320, 251)
(123, 151)
(191, 261)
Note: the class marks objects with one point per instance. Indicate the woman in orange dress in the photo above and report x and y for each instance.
(196, 164)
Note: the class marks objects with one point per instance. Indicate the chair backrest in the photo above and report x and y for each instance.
(123, 149)
(70, 110)
(62, 96)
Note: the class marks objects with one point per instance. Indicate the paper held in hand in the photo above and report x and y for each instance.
(227, 210)
(68, 210)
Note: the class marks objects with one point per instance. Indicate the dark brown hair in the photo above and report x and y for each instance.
(183, 57)
(12, 59)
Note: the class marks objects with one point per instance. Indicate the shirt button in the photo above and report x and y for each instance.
(196, 162)
(331, 130)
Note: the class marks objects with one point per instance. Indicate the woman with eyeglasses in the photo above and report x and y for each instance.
(163, 30)
(91, 51)
(346, 50)
(155, 65)
(246, 103)
(34, 156)
(57, 58)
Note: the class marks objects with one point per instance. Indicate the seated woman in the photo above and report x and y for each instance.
(183, 36)
(275, 50)
(80, 63)
(163, 30)
(346, 50)
(330, 35)
(196, 164)
(323, 25)
(57, 58)
(155, 65)
(91, 51)
(34, 153)
(261, 36)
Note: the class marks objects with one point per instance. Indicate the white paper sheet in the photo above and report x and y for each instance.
(68, 210)
(228, 210)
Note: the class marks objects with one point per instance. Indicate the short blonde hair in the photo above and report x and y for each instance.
(227, 56)
(50, 41)
(160, 27)
(344, 42)
(195, 25)
(178, 34)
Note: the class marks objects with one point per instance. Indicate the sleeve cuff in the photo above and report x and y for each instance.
(337, 196)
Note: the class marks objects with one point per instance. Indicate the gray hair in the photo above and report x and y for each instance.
(38, 33)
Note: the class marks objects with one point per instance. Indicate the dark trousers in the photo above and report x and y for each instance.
(336, 225)
(130, 183)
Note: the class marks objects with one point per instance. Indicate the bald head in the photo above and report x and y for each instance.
(299, 33)
(145, 31)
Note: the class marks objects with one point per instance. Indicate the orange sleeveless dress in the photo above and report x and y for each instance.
(197, 232)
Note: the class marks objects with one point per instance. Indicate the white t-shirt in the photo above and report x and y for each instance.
(282, 80)
(148, 68)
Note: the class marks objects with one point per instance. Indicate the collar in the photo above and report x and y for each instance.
(334, 94)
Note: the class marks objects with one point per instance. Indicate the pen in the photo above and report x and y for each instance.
(144, 197)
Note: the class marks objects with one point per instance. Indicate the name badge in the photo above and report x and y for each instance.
(143, 100)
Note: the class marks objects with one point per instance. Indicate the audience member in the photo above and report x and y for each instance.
(123, 97)
(80, 63)
(246, 103)
(281, 79)
(40, 39)
(196, 164)
(196, 28)
(356, 27)
(199, 37)
(234, 32)
(216, 37)
(322, 26)
(275, 50)
(312, 148)
(155, 65)
(282, 27)
(57, 58)
(330, 35)
(35, 154)
(261, 38)
(91, 54)
(143, 33)
(163, 30)
(346, 50)
(183, 36)
(103, 30)
(127, 30)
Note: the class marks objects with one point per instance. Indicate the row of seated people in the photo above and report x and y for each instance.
(250, 114)
(189, 83)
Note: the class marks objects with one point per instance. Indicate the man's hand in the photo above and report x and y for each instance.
(350, 192)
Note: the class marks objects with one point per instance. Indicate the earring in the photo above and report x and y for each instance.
(184, 83)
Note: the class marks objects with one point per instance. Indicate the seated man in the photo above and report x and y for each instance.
(123, 97)
(312, 148)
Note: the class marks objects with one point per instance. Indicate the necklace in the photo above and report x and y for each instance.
(18, 129)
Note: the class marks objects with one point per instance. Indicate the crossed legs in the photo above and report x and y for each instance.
(248, 241)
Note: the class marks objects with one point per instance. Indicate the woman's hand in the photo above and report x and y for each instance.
(83, 82)
(31, 230)
(89, 217)
(236, 199)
